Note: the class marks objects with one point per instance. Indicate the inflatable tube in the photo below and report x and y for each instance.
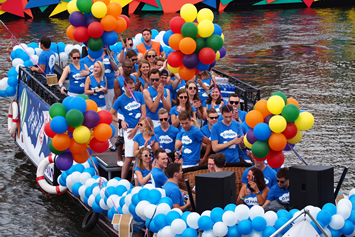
(90, 220)
(44, 185)
(12, 118)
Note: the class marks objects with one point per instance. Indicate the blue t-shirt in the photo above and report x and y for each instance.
(191, 145)
(153, 94)
(89, 63)
(173, 92)
(140, 140)
(269, 176)
(202, 93)
(206, 131)
(174, 111)
(242, 115)
(223, 134)
(172, 191)
(47, 57)
(244, 128)
(120, 80)
(144, 172)
(129, 108)
(158, 177)
(277, 193)
(216, 107)
(98, 97)
(167, 139)
(251, 200)
(109, 72)
(76, 81)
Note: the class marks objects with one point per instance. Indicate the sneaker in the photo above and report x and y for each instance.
(113, 148)
(120, 163)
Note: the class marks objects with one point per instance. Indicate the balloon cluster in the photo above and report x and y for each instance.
(150, 208)
(96, 23)
(276, 125)
(197, 42)
(77, 129)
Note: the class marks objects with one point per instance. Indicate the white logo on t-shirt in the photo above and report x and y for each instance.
(186, 140)
(228, 134)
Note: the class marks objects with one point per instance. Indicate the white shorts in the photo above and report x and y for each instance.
(72, 94)
(109, 98)
(129, 143)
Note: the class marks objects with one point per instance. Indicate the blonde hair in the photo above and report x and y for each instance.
(149, 50)
(148, 128)
(102, 70)
(139, 160)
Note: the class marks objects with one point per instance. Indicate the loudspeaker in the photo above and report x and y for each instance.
(215, 189)
(311, 185)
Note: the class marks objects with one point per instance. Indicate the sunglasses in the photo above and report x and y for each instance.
(147, 155)
(151, 56)
(134, 59)
(140, 124)
(192, 88)
(75, 57)
(234, 102)
(154, 79)
(163, 119)
(213, 117)
(280, 181)
(183, 97)
(131, 44)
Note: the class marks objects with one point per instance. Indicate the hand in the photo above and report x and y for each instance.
(237, 140)
(178, 109)
(124, 125)
(199, 81)
(247, 192)
(254, 186)
(123, 44)
(62, 90)
(131, 133)
(160, 90)
(221, 105)
(196, 104)
(202, 162)
(188, 202)
(152, 143)
(84, 73)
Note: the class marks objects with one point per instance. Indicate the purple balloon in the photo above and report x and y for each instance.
(64, 161)
(267, 118)
(287, 148)
(250, 136)
(77, 19)
(222, 52)
(91, 119)
(90, 20)
(190, 61)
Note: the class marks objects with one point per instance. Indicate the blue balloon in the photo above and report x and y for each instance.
(262, 131)
(54, 47)
(166, 200)
(18, 52)
(160, 221)
(233, 231)
(122, 201)
(155, 33)
(143, 194)
(189, 232)
(135, 199)
(113, 48)
(98, 198)
(12, 55)
(96, 208)
(166, 36)
(66, 102)
(119, 46)
(120, 189)
(259, 223)
(113, 130)
(205, 223)
(78, 103)
(348, 228)
(217, 30)
(79, 167)
(171, 216)
(138, 219)
(132, 209)
(12, 81)
(10, 91)
(202, 67)
(283, 213)
(12, 72)
(24, 56)
(90, 170)
(184, 216)
(62, 181)
(75, 189)
(352, 217)
(269, 230)
(61, 47)
(86, 200)
(93, 159)
(110, 191)
(154, 196)
(335, 233)
(109, 37)
(331, 208)
(245, 227)
(33, 45)
(216, 214)
(59, 125)
(293, 211)
(111, 213)
(280, 222)
(95, 54)
(316, 227)
(230, 207)
(88, 191)
(151, 225)
(324, 216)
(3, 93)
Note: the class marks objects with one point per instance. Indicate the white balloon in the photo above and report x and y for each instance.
(23, 45)
(242, 212)
(138, 38)
(78, 47)
(206, 213)
(56, 58)
(177, 210)
(38, 51)
(167, 232)
(345, 201)
(125, 183)
(125, 209)
(256, 211)
(163, 208)
(16, 47)
(116, 226)
(299, 218)
(220, 229)
(34, 59)
(135, 190)
(82, 190)
(326, 231)
(208, 234)
(270, 217)
(3, 83)
(162, 191)
(112, 183)
(111, 200)
(90, 182)
(103, 192)
(352, 192)
(256, 234)
(91, 200)
(310, 209)
(344, 211)
(86, 164)
(68, 48)
(84, 177)
(128, 199)
(149, 210)
(96, 191)
(192, 220)
(30, 51)
(229, 218)
(314, 212)
(337, 222)
(18, 68)
(63, 58)
(149, 186)
(103, 205)
(178, 226)
(17, 61)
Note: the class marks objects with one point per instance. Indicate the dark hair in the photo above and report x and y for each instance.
(219, 160)
(226, 109)
(46, 41)
(158, 58)
(125, 40)
(139, 161)
(259, 178)
(172, 169)
(196, 96)
(233, 95)
(147, 29)
(140, 66)
(155, 71)
(157, 152)
(74, 51)
(126, 60)
(187, 105)
(130, 53)
(209, 99)
(164, 73)
(283, 173)
(129, 80)
(184, 115)
(211, 111)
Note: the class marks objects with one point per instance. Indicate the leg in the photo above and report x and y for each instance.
(125, 167)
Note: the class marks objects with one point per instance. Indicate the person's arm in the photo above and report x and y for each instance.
(204, 113)
(216, 147)
(117, 89)
(167, 101)
(184, 207)
(135, 148)
(241, 195)
(85, 72)
(262, 196)
(194, 115)
(142, 180)
(40, 69)
(114, 115)
(149, 102)
(120, 57)
(87, 87)
(175, 120)
(208, 150)
(62, 79)
(266, 202)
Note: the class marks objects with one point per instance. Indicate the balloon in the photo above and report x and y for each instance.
(247, 143)
(126, 19)
(59, 124)
(267, 118)
(190, 61)
(109, 37)
(262, 131)
(64, 161)
(202, 67)
(261, 106)
(185, 73)
(102, 132)
(122, 25)
(114, 9)
(215, 42)
(166, 36)
(205, 14)
(91, 119)
(99, 9)
(173, 69)
(292, 101)
(105, 117)
(187, 45)
(260, 149)
(74, 118)
(81, 34)
(337, 222)
(176, 24)
(290, 131)
(245, 227)
(81, 134)
(207, 55)
(205, 223)
(95, 44)
(17, 61)
(277, 141)
(99, 146)
(216, 214)
(192, 220)
(229, 218)
(178, 226)
(189, 29)
(108, 23)
(275, 159)
(277, 123)
(174, 41)
(77, 19)
(76, 148)
(304, 121)
(72, 6)
(57, 109)
(282, 95)
(175, 59)
(220, 229)
(91, 19)
(95, 30)
(205, 28)
(275, 104)
(81, 157)
(53, 150)
(290, 112)
(217, 30)
(259, 223)
(188, 12)
(222, 52)
(84, 5)
(70, 32)
(253, 118)
(270, 217)
(200, 44)
(49, 132)
(296, 138)
(61, 142)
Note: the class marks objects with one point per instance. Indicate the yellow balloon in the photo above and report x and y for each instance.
(246, 142)
(205, 14)
(275, 104)
(81, 134)
(304, 121)
(205, 28)
(99, 9)
(222, 36)
(188, 12)
(72, 6)
(218, 55)
(173, 69)
(277, 123)
(296, 138)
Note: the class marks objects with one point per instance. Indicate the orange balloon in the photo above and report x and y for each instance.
(253, 118)
(82, 157)
(262, 108)
(76, 148)
(102, 132)
(61, 142)
(91, 105)
(293, 101)
(187, 45)
(108, 22)
(174, 41)
(114, 9)
(277, 141)
(185, 73)
(70, 32)
(121, 25)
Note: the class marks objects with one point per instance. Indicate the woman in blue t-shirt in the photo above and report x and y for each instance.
(214, 100)
(194, 98)
(96, 85)
(143, 166)
(183, 104)
(146, 138)
(143, 75)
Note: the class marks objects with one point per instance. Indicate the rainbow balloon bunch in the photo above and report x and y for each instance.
(96, 23)
(276, 124)
(197, 42)
(75, 126)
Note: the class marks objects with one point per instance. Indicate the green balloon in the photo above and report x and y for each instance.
(290, 112)
(95, 44)
(282, 95)
(214, 42)
(260, 149)
(53, 150)
(200, 44)
(189, 29)
(84, 5)
(74, 118)
(85, 97)
(57, 109)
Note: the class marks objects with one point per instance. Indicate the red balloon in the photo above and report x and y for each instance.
(290, 131)
(105, 117)
(95, 29)
(176, 24)
(49, 132)
(275, 159)
(70, 128)
(81, 34)
(207, 55)
(98, 146)
(175, 59)
(126, 18)
(259, 159)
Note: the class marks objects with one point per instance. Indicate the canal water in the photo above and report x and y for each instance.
(308, 54)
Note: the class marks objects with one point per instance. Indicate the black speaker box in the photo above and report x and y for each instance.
(215, 189)
(311, 185)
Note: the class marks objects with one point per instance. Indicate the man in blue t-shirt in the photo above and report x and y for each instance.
(46, 60)
(161, 162)
(189, 141)
(166, 133)
(280, 192)
(234, 101)
(226, 136)
(174, 172)
(269, 173)
(212, 119)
